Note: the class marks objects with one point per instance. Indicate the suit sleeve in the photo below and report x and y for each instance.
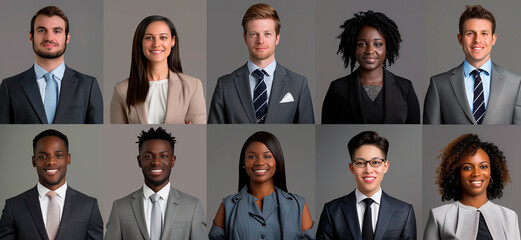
(95, 108)
(113, 225)
(517, 107)
(413, 107)
(117, 108)
(305, 105)
(217, 109)
(5, 104)
(95, 227)
(325, 226)
(7, 225)
(431, 108)
(198, 230)
(196, 113)
(409, 232)
(431, 229)
(330, 111)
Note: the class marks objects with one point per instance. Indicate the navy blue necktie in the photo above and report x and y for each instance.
(478, 109)
(260, 97)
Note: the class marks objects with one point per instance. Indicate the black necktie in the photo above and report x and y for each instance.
(260, 97)
(479, 97)
(483, 233)
(367, 226)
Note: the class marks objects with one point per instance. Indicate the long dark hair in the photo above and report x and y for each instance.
(272, 143)
(137, 81)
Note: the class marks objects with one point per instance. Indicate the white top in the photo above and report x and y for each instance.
(156, 102)
(375, 207)
(44, 200)
(57, 74)
(147, 203)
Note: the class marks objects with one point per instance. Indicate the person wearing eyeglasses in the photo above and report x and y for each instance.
(367, 212)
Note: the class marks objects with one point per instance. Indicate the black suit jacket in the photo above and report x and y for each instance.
(22, 217)
(343, 102)
(80, 100)
(339, 220)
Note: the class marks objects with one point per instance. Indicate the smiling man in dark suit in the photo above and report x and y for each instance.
(50, 92)
(261, 91)
(52, 209)
(367, 213)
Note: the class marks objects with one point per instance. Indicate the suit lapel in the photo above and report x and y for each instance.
(278, 88)
(355, 97)
(458, 86)
(285, 202)
(30, 88)
(172, 203)
(242, 85)
(351, 216)
(174, 91)
(33, 204)
(70, 197)
(136, 202)
(392, 99)
(67, 91)
(384, 216)
(496, 86)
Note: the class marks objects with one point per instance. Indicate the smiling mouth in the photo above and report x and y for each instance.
(369, 179)
(157, 51)
(476, 183)
(156, 171)
(260, 172)
(51, 171)
(478, 48)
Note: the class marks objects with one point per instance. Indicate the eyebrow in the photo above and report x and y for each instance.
(255, 152)
(374, 158)
(159, 34)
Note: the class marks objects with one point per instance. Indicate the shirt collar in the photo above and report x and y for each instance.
(270, 69)
(468, 68)
(58, 72)
(376, 197)
(163, 192)
(43, 190)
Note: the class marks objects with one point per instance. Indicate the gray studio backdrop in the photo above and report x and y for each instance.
(442, 51)
(435, 138)
(85, 48)
(227, 50)
(121, 19)
(224, 147)
(84, 174)
(123, 176)
(332, 13)
(402, 180)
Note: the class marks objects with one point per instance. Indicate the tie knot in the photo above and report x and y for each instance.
(48, 76)
(368, 201)
(258, 73)
(476, 72)
(155, 197)
(51, 194)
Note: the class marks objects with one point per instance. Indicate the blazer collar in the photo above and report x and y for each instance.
(393, 98)
(136, 201)
(351, 215)
(241, 80)
(277, 90)
(384, 216)
(69, 207)
(67, 92)
(458, 86)
(497, 82)
(171, 210)
(33, 204)
(30, 88)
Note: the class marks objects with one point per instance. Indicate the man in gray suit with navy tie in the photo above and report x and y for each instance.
(157, 210)
(477, 91)
(50, 92)
(261, 91)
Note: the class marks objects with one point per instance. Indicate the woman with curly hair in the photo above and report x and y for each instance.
(471, 173)
(370, 94)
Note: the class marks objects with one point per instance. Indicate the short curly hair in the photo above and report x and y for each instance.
(159, 133)
(447, 174)
(378, 20)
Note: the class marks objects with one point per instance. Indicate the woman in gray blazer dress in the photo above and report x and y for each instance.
(263, 208)
(471, 173)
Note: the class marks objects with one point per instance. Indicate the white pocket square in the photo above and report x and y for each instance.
(287, 98)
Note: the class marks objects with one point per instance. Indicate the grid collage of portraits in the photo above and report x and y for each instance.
(211, 43)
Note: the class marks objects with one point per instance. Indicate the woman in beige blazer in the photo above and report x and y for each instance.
(157, 91)
(471, 173)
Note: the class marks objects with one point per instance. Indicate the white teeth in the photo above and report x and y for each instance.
(476, 182)
(52, 170)
(156, 171)
(369, 178)
(261, 170)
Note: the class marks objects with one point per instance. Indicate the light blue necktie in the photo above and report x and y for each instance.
(51, 97)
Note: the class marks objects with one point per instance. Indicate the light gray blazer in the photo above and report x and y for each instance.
(184, 218)
(446, 100)
(458, 221)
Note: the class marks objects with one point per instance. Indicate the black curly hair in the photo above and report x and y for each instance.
(378, 20)
(447, 174)
(158, 133)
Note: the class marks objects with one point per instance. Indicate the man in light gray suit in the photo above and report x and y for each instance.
(261, 91)
(156, 210)
(478, 91)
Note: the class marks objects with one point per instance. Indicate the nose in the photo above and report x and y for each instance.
(259, 161)
(476, 172)
(260, 38)
(369, 49)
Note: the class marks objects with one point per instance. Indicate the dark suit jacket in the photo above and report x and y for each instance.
(80, 100)
(232, 101)
(339, 220)
(343, 102)
(22, 217)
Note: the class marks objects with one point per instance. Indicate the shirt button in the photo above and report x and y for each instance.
(262, 236)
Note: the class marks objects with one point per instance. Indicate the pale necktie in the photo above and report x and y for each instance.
(51, 97)
(479, 97)
(155, 218)
(53, 215)
(260, 97)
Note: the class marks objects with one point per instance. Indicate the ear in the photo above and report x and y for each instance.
(386, 166)
(277, 39)
(244, 36)
(33, 160)
(31, 37)
(173, 161)
(68, 38)
(139, 161)
(68, 159)
(351, 167)
(173, 41)
(494, 37)
(459, 38)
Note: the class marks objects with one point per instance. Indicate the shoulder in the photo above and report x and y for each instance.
(446, 75)
(400, 80)
(504, 211)
(337, 203)
(126, 199)
(184, 197)
(79, 75)
(505, 72)
(79, 196)
(396, 202)
(237, 72)
(289, 74)
(20, 197)
(186, 80)
(16, 78)
(444, 209)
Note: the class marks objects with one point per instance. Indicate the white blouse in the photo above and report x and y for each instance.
(156, 102)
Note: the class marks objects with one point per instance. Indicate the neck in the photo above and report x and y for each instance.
(263, 62)
(474, 201)
(49, 64)
(157, 71)
(156, 188)
(261, 190)
(477, 64)
(369, 194)
(372, 77)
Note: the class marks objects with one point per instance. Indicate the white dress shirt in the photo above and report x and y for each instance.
(375, 207)
(44, 200)
(147, 203)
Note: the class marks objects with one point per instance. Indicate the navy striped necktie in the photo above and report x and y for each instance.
(478, 109)
(260, 97)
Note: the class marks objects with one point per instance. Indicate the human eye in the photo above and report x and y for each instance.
(59, 155)
(267, 156)
(40, 30)
(57, 31)
(253, 35)
(164, 156)
(483, 166)
(378, 44)
(467, 168)
(147, 156)
(359, 163)
(163, 37)
(42, 156)
(251, 156)
(147, 37)
(376, 162)
(361, 44)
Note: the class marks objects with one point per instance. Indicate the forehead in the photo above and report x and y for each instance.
(480, 156)
(157, 27)
(257, 146)
(368, 151)
(477, 24)
(369, 31)
(49, 22)
(156, 145)
(50, 141)
(261, 25)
